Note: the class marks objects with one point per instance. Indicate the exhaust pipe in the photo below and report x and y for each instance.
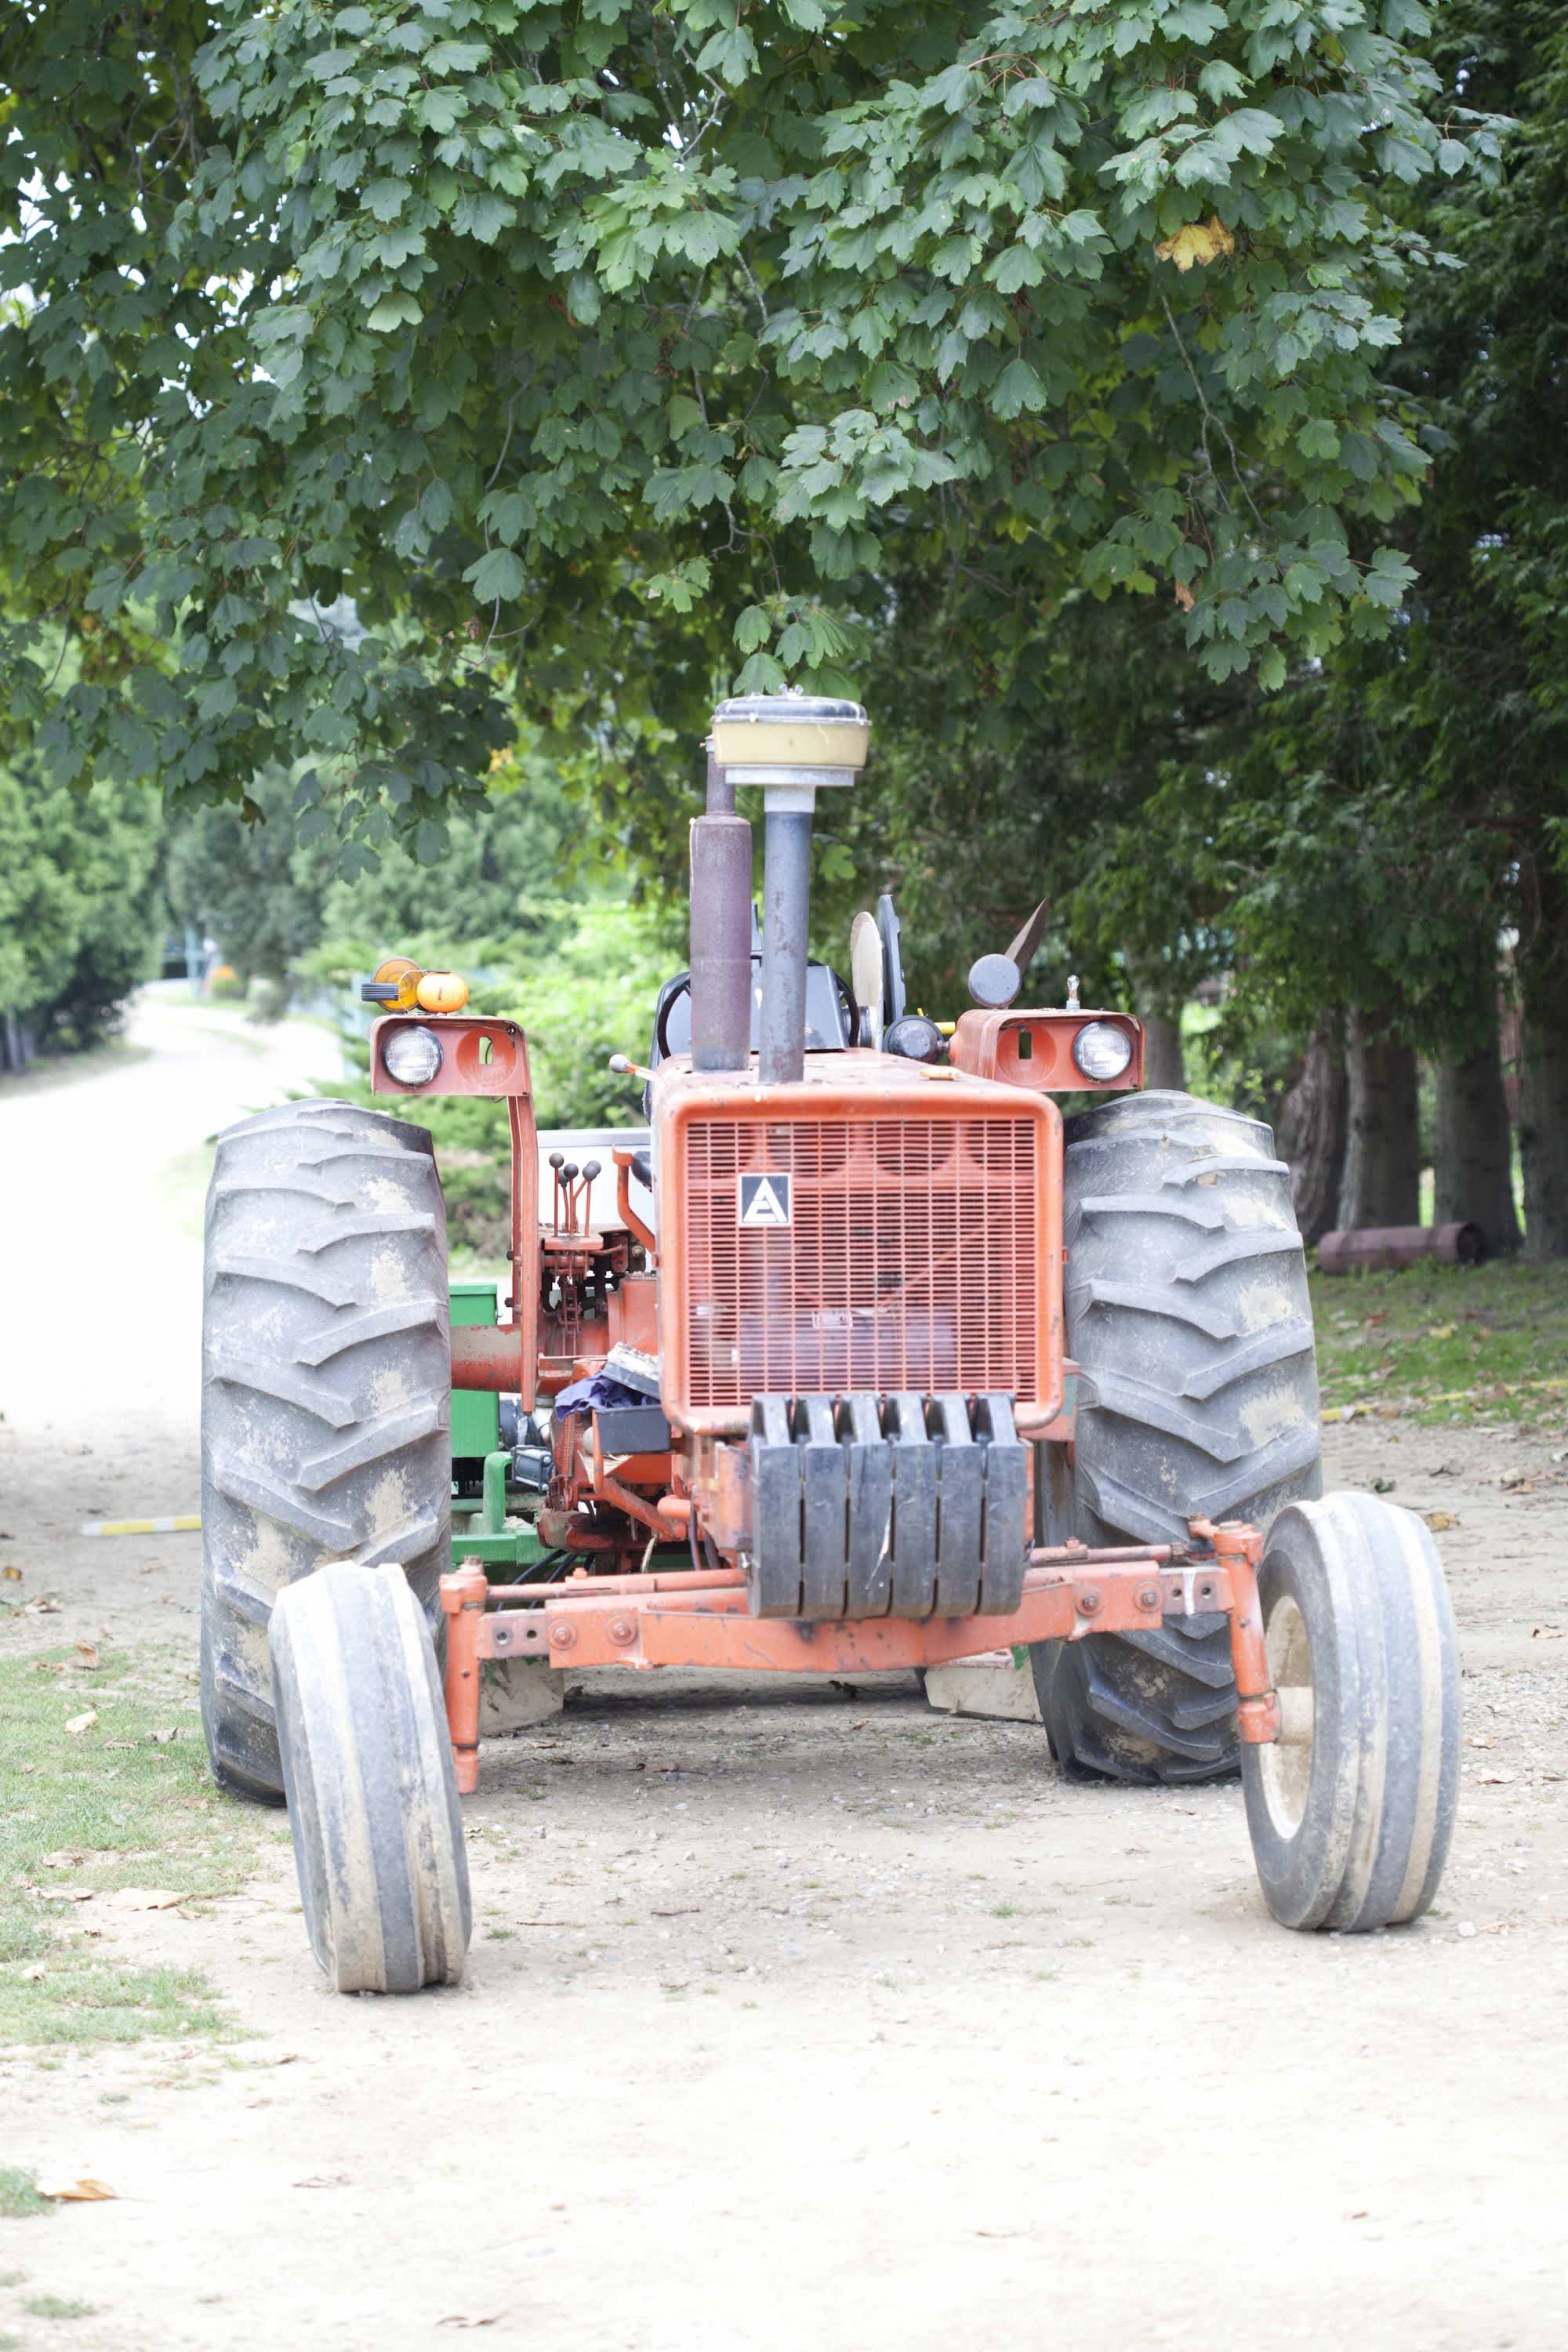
(720, 930)
(792, 745)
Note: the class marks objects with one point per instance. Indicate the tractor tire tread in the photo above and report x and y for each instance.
(301, 1466)
(1187, 1310)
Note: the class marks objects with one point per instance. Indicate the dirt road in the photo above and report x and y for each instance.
(804, 2016)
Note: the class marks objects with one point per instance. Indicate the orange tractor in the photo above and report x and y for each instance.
(856, 1359)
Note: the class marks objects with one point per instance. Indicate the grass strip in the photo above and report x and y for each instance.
(1447, 1343)
(123, 1800)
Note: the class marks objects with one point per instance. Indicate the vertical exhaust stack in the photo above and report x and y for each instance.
(721, 929)
(794, 745)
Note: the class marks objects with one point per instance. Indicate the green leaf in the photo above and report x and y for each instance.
(497, 577)
(1017, 388)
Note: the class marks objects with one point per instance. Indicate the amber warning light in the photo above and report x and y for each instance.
(402, 986)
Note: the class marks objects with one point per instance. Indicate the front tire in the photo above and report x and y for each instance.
(1187, 1309)
(326, 1390)
(1352, 1810)
(368, 1771)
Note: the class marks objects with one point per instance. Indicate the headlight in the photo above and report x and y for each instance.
(411, 1057)
(1102, 1050)
(916, 1038)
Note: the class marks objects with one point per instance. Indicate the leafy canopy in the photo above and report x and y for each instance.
(368, 369)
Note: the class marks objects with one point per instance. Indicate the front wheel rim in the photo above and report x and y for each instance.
(1285, 1765)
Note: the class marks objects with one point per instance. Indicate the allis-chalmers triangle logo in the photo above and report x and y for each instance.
(764, 1200)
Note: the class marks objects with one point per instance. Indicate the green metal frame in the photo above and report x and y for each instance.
(480, 1530)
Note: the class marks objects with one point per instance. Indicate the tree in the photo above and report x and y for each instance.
(78, 903)
(244, 879)
(562, 339)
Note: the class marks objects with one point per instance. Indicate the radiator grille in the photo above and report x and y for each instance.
(910, 1261)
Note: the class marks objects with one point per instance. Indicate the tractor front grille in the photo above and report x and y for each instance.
(911, 1260)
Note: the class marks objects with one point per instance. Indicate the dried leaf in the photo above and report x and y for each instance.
(1185, 596)
(1200, 241)
(35, 1975)
(1497, 1779)
(67, 1893)
(145, 1898)
(1479, 1739)
(11, 1575)
(67, 1858)
(468, 2319)
(87, 1722)
(324, 2181)
(83, 2190)
(1549, 1633)
(1440, 1521)
(85, 1658)
(49, 1665)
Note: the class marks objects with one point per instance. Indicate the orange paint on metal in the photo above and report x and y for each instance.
(658, 1580)
(1034, 1050)
(1240, 1548)
(479, 1056)
(634, 1312)
(463, 1597)
(633, 1225)
(923, 1248)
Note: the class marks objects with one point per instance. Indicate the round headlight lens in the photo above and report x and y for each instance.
(411, 1057)
(1102, 1050)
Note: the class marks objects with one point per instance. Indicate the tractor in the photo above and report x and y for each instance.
(855, 1356)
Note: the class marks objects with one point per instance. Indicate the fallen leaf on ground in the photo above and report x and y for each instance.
(1479, 1739)
(324, 2181)
(85, 1658)
(1440, 1521)
(35, 1975)
(1497, 1779)
(1441, 1331)
(83, 2190)
(11, 1575)
(1382, 1485)
(87, 1722)
(145, 1898)
(468, 2319)
(67, 1858)
(49, 1665)
(1548, 1633)
(161, 1738)
(46, 1607)
(67, 1893)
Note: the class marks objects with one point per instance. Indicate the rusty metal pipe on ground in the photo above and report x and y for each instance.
(1371, 1249)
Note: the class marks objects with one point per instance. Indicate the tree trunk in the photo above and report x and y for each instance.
(1163, 1062)
(1382, 1181)
(1310, 1133)
(1542, 964)
(1472, 1144)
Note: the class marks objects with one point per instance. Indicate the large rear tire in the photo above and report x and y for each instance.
(372, 1795)
(326, 1390)
(1187, 1309)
